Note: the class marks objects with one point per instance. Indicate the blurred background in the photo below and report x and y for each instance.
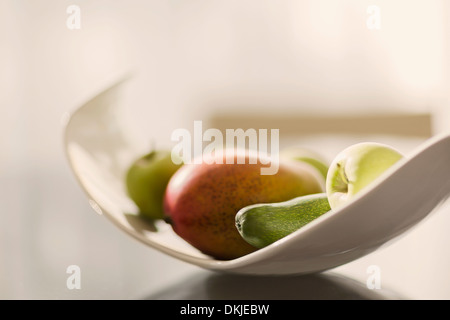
(293, 64)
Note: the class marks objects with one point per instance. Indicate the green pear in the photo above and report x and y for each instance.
(308, 156)
(147, 179)
(354, 168)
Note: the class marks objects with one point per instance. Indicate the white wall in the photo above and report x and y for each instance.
(197, 56)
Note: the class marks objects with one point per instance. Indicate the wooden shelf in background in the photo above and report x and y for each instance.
(412, 125)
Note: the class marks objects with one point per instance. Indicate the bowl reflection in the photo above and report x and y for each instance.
(324, 286)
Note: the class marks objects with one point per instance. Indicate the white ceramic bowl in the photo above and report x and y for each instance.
(99, 151)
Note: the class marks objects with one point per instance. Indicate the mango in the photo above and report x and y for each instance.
(201, 200)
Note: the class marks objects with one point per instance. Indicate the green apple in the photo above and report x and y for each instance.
(308, 156)
(356, 167)
(147, 179)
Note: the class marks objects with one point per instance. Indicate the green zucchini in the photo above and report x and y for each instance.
(265, 223)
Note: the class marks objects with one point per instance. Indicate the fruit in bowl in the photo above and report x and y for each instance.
(227, 210)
